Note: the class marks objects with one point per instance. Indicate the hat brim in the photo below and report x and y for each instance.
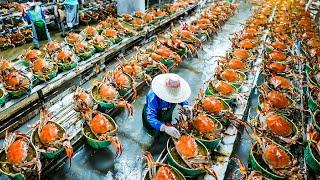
(158, 86)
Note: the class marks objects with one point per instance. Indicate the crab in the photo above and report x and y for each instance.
(236, 64)
(43, 68)
(224, 88)
(278, 125)
(82, 47)
(15, 80)
(276, 158)
(102, 128)
(277, 56)
(147, 62)
(187, 149)
(106, 92)
(110, 33)
(82, 100)
(31, 55)
(17, 38)
(134, 69)
(281, 82)
(186, 36)
(73, 38)
(52, 47)
(160, 53)
(158, 171)
(51, 135)
(176, 44)
(21, 156)
(5, 42)
(241, 54)
(89, 32)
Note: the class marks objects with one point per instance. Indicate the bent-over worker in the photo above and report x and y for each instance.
(35, 17)
(167, 90)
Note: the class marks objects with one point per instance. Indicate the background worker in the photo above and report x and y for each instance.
(35, 16)
(130, 6)
(72, 14)
(167, 90)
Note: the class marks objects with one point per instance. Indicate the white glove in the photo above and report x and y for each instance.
(170, 130)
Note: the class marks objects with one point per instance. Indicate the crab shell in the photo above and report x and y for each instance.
(164, 173)
(224, 88)
(236, 64)
(246, 44)
(18, 151)
(212, 104)
(33, 55)
(52, 47)
(280, 81)
(39, 65)
(276, 157)
(107, 92)
(279, 45)
(229, 75)
(122, 80)
(187, 146)
(49, 133)
(278, 99)
(241, 54)
(278, 56)
(100, 124)
(203, 124)
(4, 64)
(278, 125)
(277, 67)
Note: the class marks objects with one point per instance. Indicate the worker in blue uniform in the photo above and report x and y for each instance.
(167, 90)
(35, 17)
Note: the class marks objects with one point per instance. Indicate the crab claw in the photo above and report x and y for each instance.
(210, 171)
(151, 164)
(117, 144)
(69, 149)
(163, 68)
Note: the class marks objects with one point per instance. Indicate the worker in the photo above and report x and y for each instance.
(35, 17)
(72, 14)
(130, 6)
(167, 90)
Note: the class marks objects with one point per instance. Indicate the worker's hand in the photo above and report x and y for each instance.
(170, 130)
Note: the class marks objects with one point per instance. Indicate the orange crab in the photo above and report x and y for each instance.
(212, 104)
(278, 125)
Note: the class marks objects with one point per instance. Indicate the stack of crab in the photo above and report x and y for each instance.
(98, 128)
(20, 156)
(16, 83)
(310, 40)
(277, 126)
(42, 68)
(139, 19)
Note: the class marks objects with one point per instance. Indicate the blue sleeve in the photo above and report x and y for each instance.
(183, 103)
(26, 17)
(152, 111)
(42, 14)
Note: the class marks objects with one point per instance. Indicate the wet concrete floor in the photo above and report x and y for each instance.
(92, 164)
